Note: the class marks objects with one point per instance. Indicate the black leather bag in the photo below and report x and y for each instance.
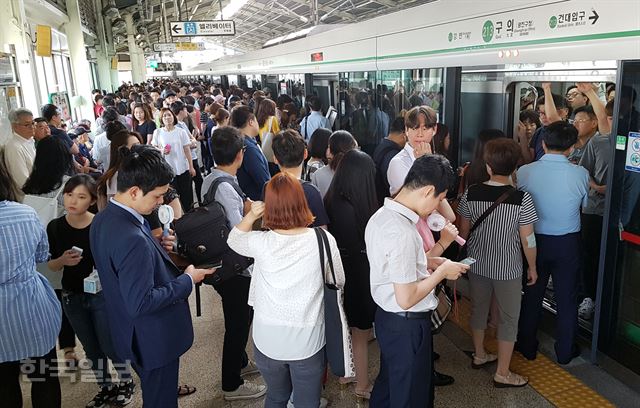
(202, 237)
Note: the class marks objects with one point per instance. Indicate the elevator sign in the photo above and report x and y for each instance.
(202, 28)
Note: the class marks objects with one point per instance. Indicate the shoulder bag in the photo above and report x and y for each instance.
(338, 347)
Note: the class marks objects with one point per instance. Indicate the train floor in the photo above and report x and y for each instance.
(579, 384)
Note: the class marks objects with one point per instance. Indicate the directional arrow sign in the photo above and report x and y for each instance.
(594, 17)
(178, 46)
(202, 28)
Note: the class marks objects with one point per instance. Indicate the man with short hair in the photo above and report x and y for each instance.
(20, 151)
(54, 118)
(576, 98)
(314, 119)
(228, 152)
(145, 293)
(403, 288)
(385, 151)
(41, 129)
(290, 152)
(586, 122)
(559, 189)
(254, 172)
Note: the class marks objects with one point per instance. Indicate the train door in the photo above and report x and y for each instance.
(618, 312)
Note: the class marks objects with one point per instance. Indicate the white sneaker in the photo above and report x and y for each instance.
(323, 403)
(248, 390)
(586, 309)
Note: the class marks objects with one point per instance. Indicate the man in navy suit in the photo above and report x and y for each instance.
(145, 293)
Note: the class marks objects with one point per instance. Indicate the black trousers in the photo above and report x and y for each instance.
(182, 184)
(197, 180)
(45, 385)
(560, 257)
(406, 366)
(237, 320)
(67, 336)
(159, 386)
(591, 235)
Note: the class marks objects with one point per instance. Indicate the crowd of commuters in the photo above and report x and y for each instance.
(527, 207)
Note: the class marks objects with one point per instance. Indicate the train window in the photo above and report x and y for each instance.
(369, 101)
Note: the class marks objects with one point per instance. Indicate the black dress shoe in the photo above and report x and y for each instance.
(435, 356)
(440, 380)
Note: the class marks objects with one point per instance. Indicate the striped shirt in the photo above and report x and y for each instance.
(495, 244)
(31, 313)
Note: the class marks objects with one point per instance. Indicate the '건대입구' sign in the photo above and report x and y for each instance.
(202, 28)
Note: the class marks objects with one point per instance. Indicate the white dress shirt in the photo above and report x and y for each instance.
(19, 155)
(396, 255)
(399, 168)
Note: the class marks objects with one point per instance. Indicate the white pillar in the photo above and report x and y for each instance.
(77, 50)
(135, 53)
(103, 51)
(12, 33)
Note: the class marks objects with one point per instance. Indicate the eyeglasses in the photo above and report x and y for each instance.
(582, 120)
(29, 124)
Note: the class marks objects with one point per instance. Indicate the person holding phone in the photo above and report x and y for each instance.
(145, 293)
(500, 232)
(68, 238)
(402, 287)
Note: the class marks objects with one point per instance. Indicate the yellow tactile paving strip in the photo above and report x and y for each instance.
(546, 377)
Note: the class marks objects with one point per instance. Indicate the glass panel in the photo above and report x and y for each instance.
(59, 71)
(368, 102)
(622, 342)
(52, 84)
(42, 78)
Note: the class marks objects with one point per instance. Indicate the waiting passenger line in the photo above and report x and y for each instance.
(546, 377)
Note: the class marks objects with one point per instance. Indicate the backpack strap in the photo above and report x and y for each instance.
(211, 193)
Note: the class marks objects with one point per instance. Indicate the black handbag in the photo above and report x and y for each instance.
(338, 347)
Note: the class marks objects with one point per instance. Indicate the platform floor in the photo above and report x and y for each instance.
(551, 385)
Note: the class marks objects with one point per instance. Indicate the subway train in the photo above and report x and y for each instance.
(479, 64)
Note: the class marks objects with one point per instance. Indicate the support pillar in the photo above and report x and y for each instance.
(79, 63)
(135, 53)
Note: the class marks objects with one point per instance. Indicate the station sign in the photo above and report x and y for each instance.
(169, 66)
(202, 28)
(178, 46)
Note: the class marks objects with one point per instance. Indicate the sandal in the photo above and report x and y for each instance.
(481, 362)
(511, 380)
(185, 390)
(71, 360)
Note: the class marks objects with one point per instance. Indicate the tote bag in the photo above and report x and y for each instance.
(338, 347)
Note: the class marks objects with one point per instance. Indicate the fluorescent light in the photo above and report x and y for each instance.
(230, 9)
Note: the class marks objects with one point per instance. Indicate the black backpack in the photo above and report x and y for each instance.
(202, 236)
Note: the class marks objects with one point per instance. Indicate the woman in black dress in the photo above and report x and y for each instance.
(350, 202)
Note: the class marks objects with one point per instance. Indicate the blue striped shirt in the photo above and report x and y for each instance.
(30, 313)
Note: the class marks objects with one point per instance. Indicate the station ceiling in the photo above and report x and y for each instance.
(257, 21)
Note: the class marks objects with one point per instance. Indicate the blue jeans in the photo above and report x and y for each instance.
(303, 377)
(88, 316)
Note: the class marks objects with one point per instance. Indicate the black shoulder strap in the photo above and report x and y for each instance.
(323, 244)
(495, 205)
(211, 193)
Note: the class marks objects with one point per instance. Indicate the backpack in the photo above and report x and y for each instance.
(202, 236)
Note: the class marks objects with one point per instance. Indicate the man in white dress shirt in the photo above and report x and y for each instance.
(20, 150)
(402, 286)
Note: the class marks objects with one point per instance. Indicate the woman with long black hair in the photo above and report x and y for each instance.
(350, 202)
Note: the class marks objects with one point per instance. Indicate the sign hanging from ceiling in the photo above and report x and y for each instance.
(202, 28)
(178, 46)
